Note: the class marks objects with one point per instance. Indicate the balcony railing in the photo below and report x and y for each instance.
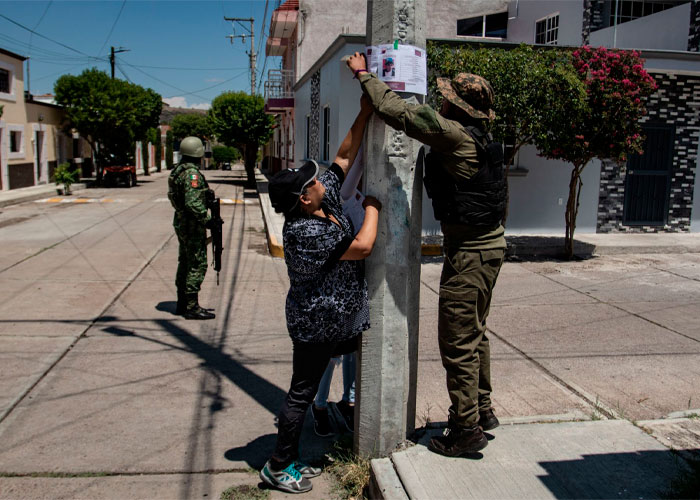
(279, 95)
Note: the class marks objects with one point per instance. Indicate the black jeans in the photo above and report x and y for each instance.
(309, 361)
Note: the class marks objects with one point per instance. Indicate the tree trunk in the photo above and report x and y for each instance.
(251, 154)
(572, 205)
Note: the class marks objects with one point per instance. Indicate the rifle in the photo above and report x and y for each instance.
(215, 225)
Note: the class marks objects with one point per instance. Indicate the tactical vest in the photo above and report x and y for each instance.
(480, 200)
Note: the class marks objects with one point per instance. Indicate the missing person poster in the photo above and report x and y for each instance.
(402, 67)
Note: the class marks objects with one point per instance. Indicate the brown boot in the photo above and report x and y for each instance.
(457, 441)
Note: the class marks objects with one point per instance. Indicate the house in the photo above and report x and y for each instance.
(31, 141)
(655, 192)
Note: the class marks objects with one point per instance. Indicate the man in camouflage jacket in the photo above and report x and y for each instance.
(474, 242)
(187, 191)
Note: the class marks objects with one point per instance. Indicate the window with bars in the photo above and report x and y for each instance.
(4, 81)
(629, 10)
(491, 25)
(15, 141)
(547, 30)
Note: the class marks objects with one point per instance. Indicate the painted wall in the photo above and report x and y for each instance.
(535, 198)
(524, 14)
(666, 30)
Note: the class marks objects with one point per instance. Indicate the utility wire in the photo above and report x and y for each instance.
(113, 26)
(37, 25)
(42, 36)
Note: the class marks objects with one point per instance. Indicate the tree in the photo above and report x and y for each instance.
(186, 125)
(238, 119)
(110, 113)
(169, 149)
(157, 143)
(225, 154)
(527, 84)
(606, 126)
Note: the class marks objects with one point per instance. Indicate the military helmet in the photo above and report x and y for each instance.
(192, 146)
(470, 92)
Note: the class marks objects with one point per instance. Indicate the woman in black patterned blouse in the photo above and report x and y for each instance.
(327, 304)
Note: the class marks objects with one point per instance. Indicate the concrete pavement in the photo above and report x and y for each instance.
(105, 393)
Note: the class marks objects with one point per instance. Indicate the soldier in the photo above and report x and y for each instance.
(464, 176)
(187, 191)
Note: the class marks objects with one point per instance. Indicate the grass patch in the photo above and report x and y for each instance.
(350, 472)
(245, 492)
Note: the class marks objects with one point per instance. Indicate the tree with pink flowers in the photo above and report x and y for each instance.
(606, 126)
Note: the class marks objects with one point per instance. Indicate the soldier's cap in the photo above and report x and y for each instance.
(469, 92)
(288, 185)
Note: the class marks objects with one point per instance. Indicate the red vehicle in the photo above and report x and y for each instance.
(115, 175)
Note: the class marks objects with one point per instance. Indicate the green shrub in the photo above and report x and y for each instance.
(65, 174)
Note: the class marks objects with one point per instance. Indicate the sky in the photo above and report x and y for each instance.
(179, 49)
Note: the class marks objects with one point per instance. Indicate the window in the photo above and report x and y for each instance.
(307, 147)
(4, 81)
(16, 136)
(326, 133)
(629, 10)
(547, 30)
(491, 25)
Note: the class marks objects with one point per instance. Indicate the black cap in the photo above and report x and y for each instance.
(286, 186)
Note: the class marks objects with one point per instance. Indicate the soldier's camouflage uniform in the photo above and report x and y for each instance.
(473, 255)
(187, 190)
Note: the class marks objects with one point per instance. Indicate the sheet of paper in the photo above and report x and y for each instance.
(402, 67)
(353, 210)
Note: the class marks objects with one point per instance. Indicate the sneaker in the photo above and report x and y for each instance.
(487, 420)
(347, 411)
(322, 425)
(456, 441)
(306, 470)
(289, 479)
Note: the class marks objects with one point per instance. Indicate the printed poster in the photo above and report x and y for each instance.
(402, 67)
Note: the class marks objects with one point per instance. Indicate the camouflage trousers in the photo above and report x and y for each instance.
(192, 256)
(466, 284)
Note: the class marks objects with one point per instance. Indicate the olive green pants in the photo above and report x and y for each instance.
(192, 257)
(466, 284)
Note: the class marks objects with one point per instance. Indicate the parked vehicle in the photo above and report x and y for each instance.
(115, 175)
(226, 166)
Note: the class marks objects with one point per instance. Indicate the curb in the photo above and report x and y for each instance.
(16, 196)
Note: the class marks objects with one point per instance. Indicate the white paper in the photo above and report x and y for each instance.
(352, 197)
(402, 67)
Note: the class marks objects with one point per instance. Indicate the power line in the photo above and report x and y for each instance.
(112, 29)
(37, 25)
(186, 69)
(42, 36)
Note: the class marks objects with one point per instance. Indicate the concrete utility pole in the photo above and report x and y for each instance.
(251, 54)
(389, 355)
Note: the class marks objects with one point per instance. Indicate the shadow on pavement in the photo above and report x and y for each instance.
(167, 306)
(254, 453)
(641, 474)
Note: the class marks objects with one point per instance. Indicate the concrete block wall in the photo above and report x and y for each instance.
(694, 29)
(669, 104)
(315, 125)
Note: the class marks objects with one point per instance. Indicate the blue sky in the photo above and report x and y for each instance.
(190, 35)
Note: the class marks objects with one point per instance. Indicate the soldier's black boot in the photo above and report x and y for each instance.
(181, 304)
(193, 310)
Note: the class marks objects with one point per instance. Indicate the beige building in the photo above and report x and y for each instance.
(31, 141)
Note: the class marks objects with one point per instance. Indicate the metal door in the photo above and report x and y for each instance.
(649, 178)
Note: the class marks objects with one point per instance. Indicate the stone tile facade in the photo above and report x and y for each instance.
(676, 102)
(586, 25)
(694, 29)
(315, 121)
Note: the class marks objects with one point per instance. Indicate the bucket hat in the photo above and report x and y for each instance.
(469, 92)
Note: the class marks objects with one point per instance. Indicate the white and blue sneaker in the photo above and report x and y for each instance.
(306, 470)
(289, 479)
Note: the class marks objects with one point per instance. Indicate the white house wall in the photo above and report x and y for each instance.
(538, 199)
(666, 30)
(524, 14)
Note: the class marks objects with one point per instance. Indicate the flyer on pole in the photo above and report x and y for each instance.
(402, 67)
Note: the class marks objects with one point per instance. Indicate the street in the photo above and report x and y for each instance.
(105, 392)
